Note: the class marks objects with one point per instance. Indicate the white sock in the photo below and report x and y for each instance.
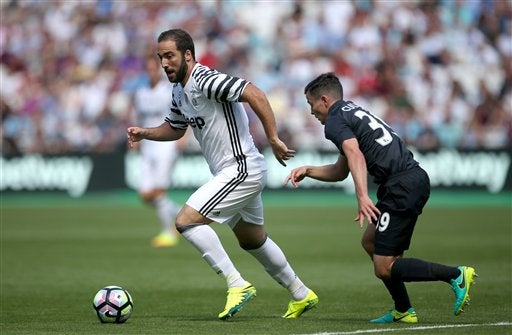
(166, 211)
(274, 261)
(206, 241)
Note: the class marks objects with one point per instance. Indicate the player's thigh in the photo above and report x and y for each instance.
(368, 239)
(394, 232)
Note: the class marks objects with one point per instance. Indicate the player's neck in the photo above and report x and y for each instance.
(190, 68)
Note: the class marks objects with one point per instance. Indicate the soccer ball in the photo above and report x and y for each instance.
(113, 304)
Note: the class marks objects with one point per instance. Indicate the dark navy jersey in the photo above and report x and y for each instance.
(385, 153)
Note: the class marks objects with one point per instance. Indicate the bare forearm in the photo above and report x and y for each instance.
(357, 166)
(327, 173)
(164, 132)
(261, 107)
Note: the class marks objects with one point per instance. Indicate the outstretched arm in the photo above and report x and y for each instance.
(357, 165)
(260, 105)
(329, 173)
(164, 132)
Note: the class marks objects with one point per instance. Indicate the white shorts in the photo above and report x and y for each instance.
(157, 161)
(227, 198)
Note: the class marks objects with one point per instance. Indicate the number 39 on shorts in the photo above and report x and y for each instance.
(383, 221)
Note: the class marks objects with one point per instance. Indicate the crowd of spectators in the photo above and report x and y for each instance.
(439, 72)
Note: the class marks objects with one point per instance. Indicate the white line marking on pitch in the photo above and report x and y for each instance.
(382, 330)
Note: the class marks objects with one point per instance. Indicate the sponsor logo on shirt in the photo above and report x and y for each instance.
(196, 122)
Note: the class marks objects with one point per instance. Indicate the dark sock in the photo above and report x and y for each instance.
(399, 294)
(413, 269)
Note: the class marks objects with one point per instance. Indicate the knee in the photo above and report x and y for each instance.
(251, 243)
(181, 228)
(147, 198)
(382, 271)
(188, 217)
(250, 236)
(181, 222)
(382, 274)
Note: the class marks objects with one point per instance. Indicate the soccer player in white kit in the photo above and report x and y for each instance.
(157, 158)
(210, 103)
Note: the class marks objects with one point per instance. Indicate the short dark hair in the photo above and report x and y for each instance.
(182, 39)
(326, 83)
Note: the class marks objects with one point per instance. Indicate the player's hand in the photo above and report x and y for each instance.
(367, 211)
(281, 151)
(134, 134)
(296, 176)
(133, 146)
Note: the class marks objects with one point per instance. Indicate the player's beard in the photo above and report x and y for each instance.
(181, 73)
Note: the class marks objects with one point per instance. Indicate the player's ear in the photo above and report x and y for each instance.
(325, 100)
(188, 56)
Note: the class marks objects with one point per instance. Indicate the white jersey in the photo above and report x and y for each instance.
(152, 103)
(209, 103)
(157, 158)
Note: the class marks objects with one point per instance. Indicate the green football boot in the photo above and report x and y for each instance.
(395, 316)
(461, 286)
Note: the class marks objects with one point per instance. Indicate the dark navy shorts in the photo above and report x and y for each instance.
(400, 200)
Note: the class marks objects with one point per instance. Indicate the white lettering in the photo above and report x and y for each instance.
(33, 172)
(446, 168)
(453, 168)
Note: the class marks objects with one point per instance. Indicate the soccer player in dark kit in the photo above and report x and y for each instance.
(367, 145)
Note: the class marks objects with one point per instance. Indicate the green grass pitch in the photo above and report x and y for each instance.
(57, 252)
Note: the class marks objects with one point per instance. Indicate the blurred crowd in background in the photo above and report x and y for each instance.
(439, 72)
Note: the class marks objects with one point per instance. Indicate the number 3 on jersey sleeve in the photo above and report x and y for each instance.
(375, 124)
